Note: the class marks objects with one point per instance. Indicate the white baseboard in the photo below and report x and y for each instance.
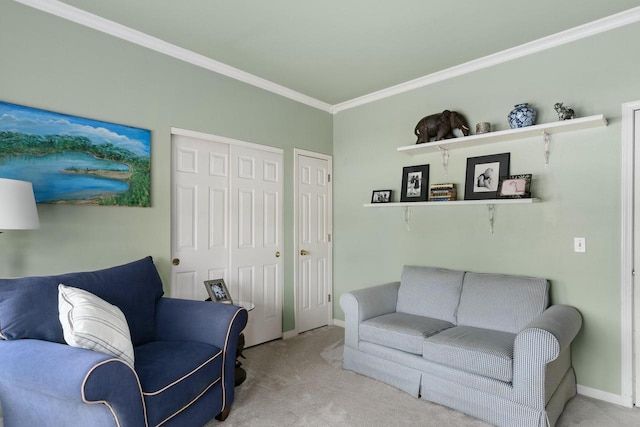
(285, 336)
(336, 322)
(604, 396)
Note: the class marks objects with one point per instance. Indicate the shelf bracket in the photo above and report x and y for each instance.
(547, 143)
(445, 159)
(492, 216)
(407, 216)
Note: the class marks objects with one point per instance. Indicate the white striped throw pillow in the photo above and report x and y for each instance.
(92, 323)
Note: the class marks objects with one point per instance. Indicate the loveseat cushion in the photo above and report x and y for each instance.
(174, 373)
(480, 351)
(431, 292)
(402, 331)
(501, 302)
(29, 305)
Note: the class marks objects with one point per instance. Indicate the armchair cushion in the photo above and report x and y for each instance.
(92, 323)
(173, 374)
(26, 310)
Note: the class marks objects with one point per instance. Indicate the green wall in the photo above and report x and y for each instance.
(53, 64)
(580, 190)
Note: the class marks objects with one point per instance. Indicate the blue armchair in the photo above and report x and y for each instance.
(183, 373)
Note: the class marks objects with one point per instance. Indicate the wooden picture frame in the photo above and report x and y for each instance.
(415, 183)
(218, 291)
(515, 187)
(381, 196)
(483, 176)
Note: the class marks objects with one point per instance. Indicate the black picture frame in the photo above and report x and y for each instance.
(483, 176)
(218, 291)
(415, 183)
(381, 196)
(515, 187)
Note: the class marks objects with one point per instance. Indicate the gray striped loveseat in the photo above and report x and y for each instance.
(487, 345)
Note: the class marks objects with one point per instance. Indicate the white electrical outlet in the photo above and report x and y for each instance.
(580, 244)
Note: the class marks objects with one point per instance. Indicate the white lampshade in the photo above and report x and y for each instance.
(17, 205)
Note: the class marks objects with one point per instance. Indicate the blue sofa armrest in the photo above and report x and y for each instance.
(542, 353)
(363, 304)
(43, 371)
(206, 322)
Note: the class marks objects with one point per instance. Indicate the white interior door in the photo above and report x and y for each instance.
(256, 274)
(227, 223)
(313, 256)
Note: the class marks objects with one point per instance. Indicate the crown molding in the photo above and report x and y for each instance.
(79, 16)
(98, 23)
(618, 20)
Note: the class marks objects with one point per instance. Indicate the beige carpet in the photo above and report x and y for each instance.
(300, 382)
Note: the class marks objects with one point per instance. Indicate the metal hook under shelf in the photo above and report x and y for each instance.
(547, 143)
(445, 159)
(492, 216)
(407, 216)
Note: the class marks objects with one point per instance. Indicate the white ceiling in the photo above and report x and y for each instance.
(333, 54)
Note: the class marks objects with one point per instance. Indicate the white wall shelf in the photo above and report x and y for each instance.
(453, 203)
(505, 135)
(489, 203)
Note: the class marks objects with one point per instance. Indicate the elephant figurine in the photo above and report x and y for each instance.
(440, 126)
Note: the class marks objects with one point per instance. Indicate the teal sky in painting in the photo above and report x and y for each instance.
(33, 121)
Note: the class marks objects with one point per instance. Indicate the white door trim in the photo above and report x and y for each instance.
(224, 140)
(630, 159)
(296, 247)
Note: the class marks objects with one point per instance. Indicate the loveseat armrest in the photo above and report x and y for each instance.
(363, 304)
(40, 381)
(544, 341)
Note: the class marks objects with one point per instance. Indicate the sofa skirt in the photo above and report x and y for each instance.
(451, 391)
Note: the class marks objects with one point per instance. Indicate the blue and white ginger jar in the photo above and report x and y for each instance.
(522, 116)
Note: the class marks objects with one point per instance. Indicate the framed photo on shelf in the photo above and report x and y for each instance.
(415, 183)
(218, 291)
(381, 196)
(515, 187)
(483, 176)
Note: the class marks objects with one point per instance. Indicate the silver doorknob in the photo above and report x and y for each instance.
(303, 252)
(175, 261)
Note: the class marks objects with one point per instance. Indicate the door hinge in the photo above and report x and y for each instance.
(329, 297)
(329, 177)
(329, 238)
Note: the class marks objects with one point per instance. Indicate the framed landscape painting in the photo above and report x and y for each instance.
(73, 160)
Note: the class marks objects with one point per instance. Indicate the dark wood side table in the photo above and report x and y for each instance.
(240, 373)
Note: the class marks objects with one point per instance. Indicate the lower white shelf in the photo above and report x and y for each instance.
(489, 203)
(453, 203)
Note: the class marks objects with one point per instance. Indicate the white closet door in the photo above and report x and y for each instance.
(227, 223)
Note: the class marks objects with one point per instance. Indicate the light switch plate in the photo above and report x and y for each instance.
(580, 244)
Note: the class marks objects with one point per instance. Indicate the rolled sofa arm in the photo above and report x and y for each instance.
(546, 340)
(364, 304)
(36, 373)
(206, 322)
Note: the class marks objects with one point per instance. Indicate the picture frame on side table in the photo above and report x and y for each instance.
(515, 187)
(381, 196)
(415, 183)
(218, 291)
(483, 176)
